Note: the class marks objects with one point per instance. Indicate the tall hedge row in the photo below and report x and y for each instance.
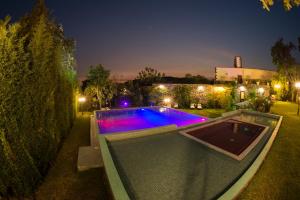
(37, 83)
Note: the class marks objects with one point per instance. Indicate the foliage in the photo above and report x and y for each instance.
(188, 79)
(148, 76)
(133, 90)
(36, 98)
(157, 95)
(281, 54)
(182, 95)
(261, 103)
(97, 81)
(288, 72)
(282, 93)
(110, 90)
(211, 113)
(287, 4)
(141, 87)
(222, 100)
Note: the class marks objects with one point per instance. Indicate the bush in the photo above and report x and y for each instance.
(261, 104)
(220, 100)
(182, 95)
(36, 99)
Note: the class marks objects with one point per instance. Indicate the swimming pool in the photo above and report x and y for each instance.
(132, 119)
(169, 165)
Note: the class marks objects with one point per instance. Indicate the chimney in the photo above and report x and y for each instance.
(238, 62)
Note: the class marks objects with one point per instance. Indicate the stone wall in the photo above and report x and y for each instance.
(207, 93)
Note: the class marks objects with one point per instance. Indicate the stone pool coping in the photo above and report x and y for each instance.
(117, 188)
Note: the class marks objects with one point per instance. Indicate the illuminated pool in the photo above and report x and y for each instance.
(132, 119)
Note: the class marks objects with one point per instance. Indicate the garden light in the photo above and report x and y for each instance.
(167, 100)
(82, 99)
(297, 85)
(277, 86)
(200, 88)
(242, 88)
(261, 90)
(162, 87)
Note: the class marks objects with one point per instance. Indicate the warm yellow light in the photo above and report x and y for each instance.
(162, 87)
(242, 88)
(261, 90)
(219, 89)
(200, 88)
(167, 100)
(277, 86)
(81, 99)
(297, 85)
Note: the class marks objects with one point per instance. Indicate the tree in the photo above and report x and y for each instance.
(110, 90)
(97, 81)
(282, 57)
(149, 75)
(287, 4)
(286, 66)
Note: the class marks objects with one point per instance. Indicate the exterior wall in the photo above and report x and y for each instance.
(202, 93)
(231, 74)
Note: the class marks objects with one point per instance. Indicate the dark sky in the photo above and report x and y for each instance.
(176, 37)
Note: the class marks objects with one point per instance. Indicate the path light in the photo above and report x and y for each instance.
(161, 87)
(81, 100)
(297, 85)
(200, 88)
(261, 90)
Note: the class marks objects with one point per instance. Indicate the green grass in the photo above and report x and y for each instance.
(211, 113)
(279, 176)
(63, 181)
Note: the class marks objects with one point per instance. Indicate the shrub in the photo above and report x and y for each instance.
(36, 99)
(261, 104)
(182, 95)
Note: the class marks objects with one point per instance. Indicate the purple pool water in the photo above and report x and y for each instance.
(141, 118)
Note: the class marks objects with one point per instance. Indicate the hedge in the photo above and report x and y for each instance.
(37, 98)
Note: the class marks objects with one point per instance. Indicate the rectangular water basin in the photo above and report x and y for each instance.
(133, 119)
(232, 137)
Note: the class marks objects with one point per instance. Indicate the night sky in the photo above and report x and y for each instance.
(175, 37)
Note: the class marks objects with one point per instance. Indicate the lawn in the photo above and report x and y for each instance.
(63, 181)
(278, 177)
(211, 113)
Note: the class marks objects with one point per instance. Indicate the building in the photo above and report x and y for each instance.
(241, 74)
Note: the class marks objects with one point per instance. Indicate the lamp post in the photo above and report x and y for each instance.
(242, 93)
(297, 85)
(81, 100)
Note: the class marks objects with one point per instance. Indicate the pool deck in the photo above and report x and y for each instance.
(120, 192)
